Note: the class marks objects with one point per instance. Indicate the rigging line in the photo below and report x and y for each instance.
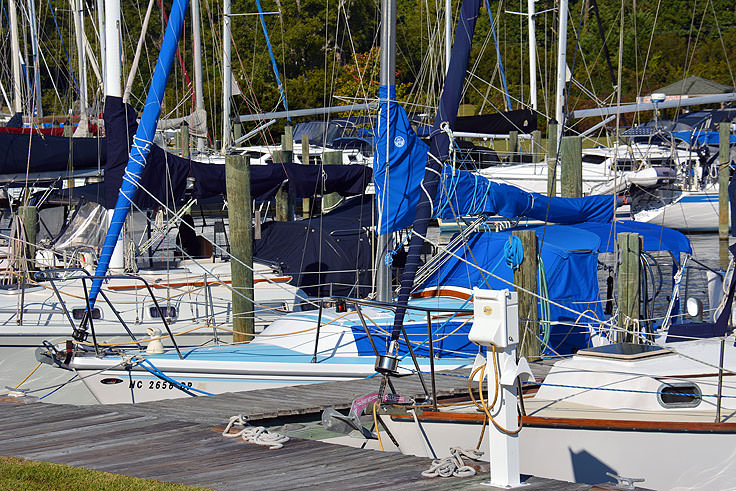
(68, 60)
(723, 45)
(214, 245)
(273, 59)
(498, 53)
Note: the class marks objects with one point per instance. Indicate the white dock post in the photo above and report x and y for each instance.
(496, 323)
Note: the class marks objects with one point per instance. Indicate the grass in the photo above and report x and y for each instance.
(24, 475)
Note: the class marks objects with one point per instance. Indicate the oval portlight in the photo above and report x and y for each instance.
(111, 381)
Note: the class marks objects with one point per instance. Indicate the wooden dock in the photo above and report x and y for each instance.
(180, 441)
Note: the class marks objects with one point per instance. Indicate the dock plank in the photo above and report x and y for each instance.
(180, 440)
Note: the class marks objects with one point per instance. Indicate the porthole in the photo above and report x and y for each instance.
(78, 313)
(679, 395)
(168, 311)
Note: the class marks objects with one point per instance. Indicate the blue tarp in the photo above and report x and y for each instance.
(570, 258)
(702, 137)
(655, 237)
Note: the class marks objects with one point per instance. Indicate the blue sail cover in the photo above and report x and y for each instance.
(398, 164)
(460, 193)
(570, 258)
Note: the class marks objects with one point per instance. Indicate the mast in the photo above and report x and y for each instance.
(36, 64)
(15, 50)
(103, 42)
(561, 69)
(387, 79)
(532, 56)
(83, 127)
(227, 75)
(113, 88)
(142, 142)
(448, 33)
(197, 47)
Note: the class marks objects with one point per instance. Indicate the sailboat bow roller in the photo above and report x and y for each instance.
(415, 183)
(142, 142)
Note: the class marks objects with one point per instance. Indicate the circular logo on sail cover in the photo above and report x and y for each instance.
(399, 141)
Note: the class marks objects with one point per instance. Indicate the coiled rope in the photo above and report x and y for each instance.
(254, 434)
(454, 465)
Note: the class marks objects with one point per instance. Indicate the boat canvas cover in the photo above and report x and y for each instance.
(324, 255)
(654, 237)
(521, 120)
(570, 258)
(35, 153)
(165, 175)
(399, 165)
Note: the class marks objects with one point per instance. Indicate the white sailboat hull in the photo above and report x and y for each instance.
(667, 460)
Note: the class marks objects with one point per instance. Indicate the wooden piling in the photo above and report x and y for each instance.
(237, 171)
(306, 202)
(29, 216)
(536, 146)
(571, 166)
(629, 249)
(552, 160)
(513, 146)
(331, 200)
(68, 129)
(724, 177)
(525, 276)
(286, 154)
(185, 141)
(284, 204)
(237, 132)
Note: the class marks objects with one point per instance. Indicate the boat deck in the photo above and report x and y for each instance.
(180, 441)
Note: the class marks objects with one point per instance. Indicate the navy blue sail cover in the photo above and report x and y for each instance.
(47, 153)
(165, 174)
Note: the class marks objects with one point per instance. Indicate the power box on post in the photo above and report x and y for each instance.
(496, 319)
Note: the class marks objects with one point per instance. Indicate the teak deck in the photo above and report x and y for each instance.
(180, 441)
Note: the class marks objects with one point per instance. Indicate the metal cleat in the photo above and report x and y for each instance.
(626, 483)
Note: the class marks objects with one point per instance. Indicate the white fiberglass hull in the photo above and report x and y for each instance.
(693, 211)
(283, 355)
(668, 460)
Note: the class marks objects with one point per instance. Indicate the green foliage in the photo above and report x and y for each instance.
(326, 52)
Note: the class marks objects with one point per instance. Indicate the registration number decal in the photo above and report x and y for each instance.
(155, 385)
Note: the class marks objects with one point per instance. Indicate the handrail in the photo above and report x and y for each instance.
(80, 334)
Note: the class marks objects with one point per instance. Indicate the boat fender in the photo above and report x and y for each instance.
(510, 371)
(155, 346)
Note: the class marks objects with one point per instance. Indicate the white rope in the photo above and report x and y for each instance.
(453, 466)
(254, 434)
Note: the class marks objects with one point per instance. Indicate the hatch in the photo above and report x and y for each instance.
(625, 351)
